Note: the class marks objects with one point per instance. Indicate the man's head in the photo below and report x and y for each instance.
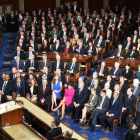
(3, 76)
(14, 96)
(95, 74)
(96, 81)
(58, 57)
(18, 80)
(74, 60)
(44, 57)
(81, 85)
(115, 95)
(130, 91)
(120, 46)
(135, 82)
(117, 87)
(121, 79)
(44, 83)
(55, 122)
(68, 133)
(117, 65)
(20, 103)
(103, 93)
(7, 77)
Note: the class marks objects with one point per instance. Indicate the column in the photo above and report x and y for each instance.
(105, 3)
(21, 5)
(85, 4)
(57, 3)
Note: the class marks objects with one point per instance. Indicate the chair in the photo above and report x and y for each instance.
(133, 116)
(58, 137)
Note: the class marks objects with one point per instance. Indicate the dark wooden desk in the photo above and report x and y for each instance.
(67, 58)
(111, 61)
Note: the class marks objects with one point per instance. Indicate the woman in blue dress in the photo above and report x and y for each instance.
(56, 90)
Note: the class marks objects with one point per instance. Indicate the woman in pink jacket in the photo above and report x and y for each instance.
(67, 99)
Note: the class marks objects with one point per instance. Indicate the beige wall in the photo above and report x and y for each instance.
(85, 4)
(57, 3)
(21, 5)
(105, 3)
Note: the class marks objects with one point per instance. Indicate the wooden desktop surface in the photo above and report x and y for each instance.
(44, 116)
(20, 132)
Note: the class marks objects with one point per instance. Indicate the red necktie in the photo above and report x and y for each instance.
(74, 35)
(17, 66)
(120, 86)
(118, 53)
(101, 70)
(43, 90)
(44, 46)
(112, 32)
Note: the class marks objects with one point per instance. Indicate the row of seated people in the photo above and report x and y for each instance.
(101, 100)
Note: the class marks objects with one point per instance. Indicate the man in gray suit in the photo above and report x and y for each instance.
(136, 92)
(101, 108)
(45, 63)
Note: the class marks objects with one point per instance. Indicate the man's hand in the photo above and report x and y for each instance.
(77, 105)
(134, 127)
(99, 108)
(107, 113)
(139, 134)
(74, 103)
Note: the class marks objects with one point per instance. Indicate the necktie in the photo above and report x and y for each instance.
(134, 39)
(101, 70)
(128, 97)
(120, 86)
(17, 66)
(44, 64)
(118, 54)
(127, 47)
(4, 86)
(92, 83)
(43, 90)
(72, 67)
(44, 46)
(79, 91)
(113, 101)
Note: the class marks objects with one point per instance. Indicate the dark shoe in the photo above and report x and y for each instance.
(76, 120)
(72, 117)
(91, 128)
(83, 123)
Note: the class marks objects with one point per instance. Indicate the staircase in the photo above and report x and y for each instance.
(6, 53)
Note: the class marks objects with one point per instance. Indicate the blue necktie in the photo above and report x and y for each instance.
(4, 86)
(72, 67)
(18, 87)
(92, 83)
(135, 88)
(113, 101)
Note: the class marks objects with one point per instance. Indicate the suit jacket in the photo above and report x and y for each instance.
(26, 116)
(52, 40)
(116, 108)
(112, 84)
(69, 51)
(130, 104)
(77, 8)
(28, 64)
(128, 75)
(48, 64)
(129, 47)
(105, 104)
(35, 90)
(3, 98)
(59, 49)
(93, 103)
(101, 45)
(82, 50)
(135, 54)
(21, 65)
(132, 37)
(8, 88)
(53, 133)
(109, 37)
(35, 47)
(75, 69)
(93, 50)
(46, 96)
(105, 70)
(35, 40)
(61, 66)
(137, 93)
(118, 72)
(63, 79)
(21, 54)
(45, 48)
(122, 53)
(27, 54)
(21, 89)
(123, 90)
(95, 36)
(82, 98)
(86, 42)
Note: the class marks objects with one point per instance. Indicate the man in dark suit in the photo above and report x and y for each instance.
(6, 85)
(53, 39)
(123, 88)
(134, 37)
(134, 132)
(29, 53)
(64, 32)
(55, 131)
(133, 54)
(13, 73)
(97, 35)
(45, 63)
(113, 112)
(114, 30)
(79, 99)
(58, 64)
(102, 70)
(19, 53)
(68, 135)
(32, 64)
(57, 48)
(44, 95)
(102, 106)
(90, 50)
(18, 64)
(18, 87)
(110, 82)
(72, 67)
(75, 8)
(80, 49)
(119, 52)
(86, 40)
(26, 114)
(100, 43)
(42, 38)
(117, 71)
(64, 40)
(128, 43)
(129, 105)
(35, 40)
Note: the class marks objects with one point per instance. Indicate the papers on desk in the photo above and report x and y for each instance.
(112, 57)
(3, 108)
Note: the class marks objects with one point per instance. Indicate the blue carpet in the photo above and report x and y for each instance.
(118, 134)
(7, 48)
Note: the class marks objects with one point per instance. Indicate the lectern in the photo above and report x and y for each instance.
(12, 116)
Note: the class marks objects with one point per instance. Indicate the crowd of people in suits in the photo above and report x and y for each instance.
(106, 95)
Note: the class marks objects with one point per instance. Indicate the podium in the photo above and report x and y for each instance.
(12, 116)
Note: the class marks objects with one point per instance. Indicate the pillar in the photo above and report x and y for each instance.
(57, 3)
(21, 5)
(105, 3)
(85, 4)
